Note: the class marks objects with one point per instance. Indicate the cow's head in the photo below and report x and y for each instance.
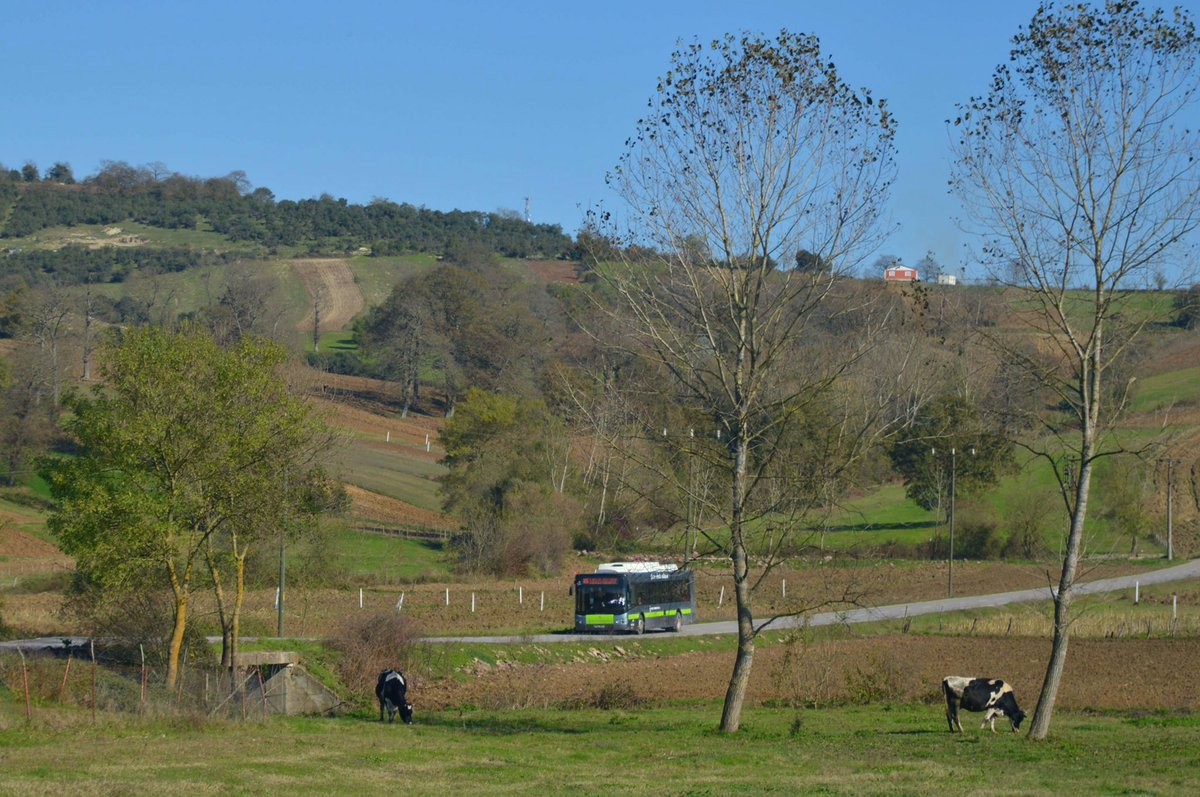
(1006, 704)
(406, 712)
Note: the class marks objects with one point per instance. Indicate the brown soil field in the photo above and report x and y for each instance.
(15, 543)
(369, 426)
(332, 282)
(561, 271)
(367, 506)
(23, 554)
(1108, 674)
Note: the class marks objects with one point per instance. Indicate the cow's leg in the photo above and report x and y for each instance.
(951, 713)
(989, 719)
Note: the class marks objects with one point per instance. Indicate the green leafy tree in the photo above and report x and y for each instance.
(1078, 170)
(183, 451)
(1187, 307)
(60, 173)
(982, 455)
(499, 451)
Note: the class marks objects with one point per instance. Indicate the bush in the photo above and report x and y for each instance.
(612, 696)
(533, 536)
(979, 538)
(977, 534)
(1027, 522)
(876, 681)
(370, 644)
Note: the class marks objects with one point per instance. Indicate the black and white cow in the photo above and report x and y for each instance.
(990, 695)
(392, 691)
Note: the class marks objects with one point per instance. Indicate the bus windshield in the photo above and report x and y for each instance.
(597, 599)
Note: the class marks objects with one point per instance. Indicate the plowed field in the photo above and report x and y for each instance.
(1110, 674)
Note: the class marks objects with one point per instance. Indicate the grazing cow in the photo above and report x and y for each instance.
(990, 695)
(392, 691)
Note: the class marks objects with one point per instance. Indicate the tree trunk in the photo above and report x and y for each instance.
(222, 614)
(239, 598)
(739, 681)
(1040, 726)
(176, 646)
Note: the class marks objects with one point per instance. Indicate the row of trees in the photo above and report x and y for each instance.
(150, 195)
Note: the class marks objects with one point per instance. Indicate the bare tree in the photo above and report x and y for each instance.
(320, 295)
(1083, 184)
(47, 322)
(753, 151)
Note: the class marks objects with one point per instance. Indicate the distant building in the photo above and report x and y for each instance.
(899, 273)
(947, 279)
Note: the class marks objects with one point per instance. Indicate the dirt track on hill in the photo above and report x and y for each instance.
(332, 283)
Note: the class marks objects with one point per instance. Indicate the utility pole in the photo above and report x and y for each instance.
(1170, 507)
(950, 563)
(282, 569)
(950, 569)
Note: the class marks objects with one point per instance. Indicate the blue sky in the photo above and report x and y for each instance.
(470, 105)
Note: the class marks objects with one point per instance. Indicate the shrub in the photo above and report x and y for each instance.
(979, 538)
(876, 681)
(368, 645)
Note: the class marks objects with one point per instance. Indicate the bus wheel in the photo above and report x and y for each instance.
(639, 625)
(677, 626)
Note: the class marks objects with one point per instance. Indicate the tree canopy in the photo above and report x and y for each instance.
(181, 447)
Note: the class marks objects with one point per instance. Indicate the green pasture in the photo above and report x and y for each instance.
(390, 559)
(624, 750)
(340, 340)
(1162, 391)
(376, 276)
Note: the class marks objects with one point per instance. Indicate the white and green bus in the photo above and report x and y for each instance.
(634, 597)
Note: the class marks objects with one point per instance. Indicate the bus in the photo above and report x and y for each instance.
(634, 597)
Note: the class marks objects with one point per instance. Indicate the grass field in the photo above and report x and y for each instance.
(388, 560)
(876, 750)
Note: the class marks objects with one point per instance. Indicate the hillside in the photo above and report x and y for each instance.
(390, 456)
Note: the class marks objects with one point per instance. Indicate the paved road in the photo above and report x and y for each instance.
(899, 611)
(1181, 572)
